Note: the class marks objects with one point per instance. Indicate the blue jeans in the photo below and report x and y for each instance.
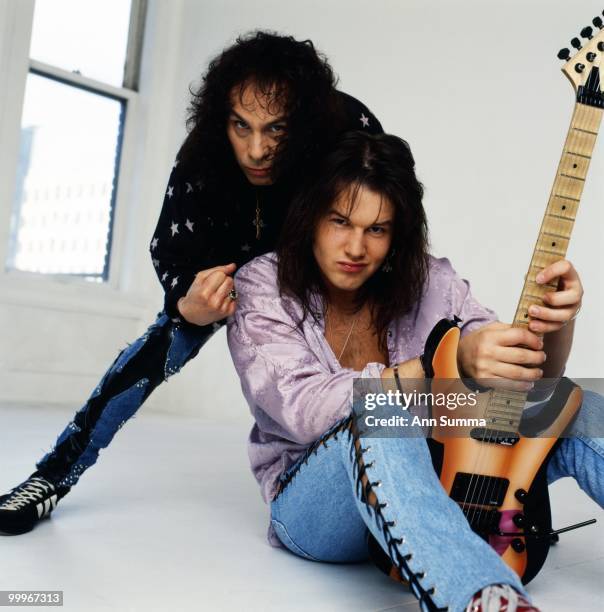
(322, 512)
(138, 369)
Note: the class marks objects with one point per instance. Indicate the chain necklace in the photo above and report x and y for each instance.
(258, 221)
(347, 336)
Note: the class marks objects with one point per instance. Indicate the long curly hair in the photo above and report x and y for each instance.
(384, 164)
(297, 79)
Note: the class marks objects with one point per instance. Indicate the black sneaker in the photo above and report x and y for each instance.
(28, 503)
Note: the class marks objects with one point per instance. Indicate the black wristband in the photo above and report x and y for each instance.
(397, 380)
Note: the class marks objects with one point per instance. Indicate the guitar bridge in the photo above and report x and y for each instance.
(482, 521)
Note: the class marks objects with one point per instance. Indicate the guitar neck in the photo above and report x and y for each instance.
(561, 211)
(505, 407)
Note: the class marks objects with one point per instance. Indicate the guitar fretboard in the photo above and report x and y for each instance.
(505, 407)
(561, 211)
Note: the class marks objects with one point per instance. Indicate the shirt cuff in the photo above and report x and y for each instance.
(172, 296)
(373, 370)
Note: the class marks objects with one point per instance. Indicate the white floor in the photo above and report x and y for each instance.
(171, 519)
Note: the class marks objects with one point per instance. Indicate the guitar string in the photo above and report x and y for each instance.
(575, 121)
(475, 475)
(578, 123)
(497, 486)
(581, 120)
(483, 450)
(469, 492)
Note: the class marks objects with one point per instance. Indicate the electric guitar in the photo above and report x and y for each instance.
(496, 472)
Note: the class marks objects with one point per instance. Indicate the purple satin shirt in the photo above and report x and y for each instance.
(291, 379)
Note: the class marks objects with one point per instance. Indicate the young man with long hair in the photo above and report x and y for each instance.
(263, 115)
(352, 292)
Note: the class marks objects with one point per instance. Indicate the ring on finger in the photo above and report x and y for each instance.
(233, 294)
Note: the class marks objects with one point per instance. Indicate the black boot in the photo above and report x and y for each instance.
(28, 503)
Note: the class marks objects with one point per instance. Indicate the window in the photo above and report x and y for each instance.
(84, 63)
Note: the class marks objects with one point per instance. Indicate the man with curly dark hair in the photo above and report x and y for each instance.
(265, 112)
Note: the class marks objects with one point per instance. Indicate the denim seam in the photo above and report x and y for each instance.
(590, 442)
(400, 560)
(288, 476)
(292, 544)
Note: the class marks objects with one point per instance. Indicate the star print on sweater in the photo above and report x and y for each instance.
(199, 229)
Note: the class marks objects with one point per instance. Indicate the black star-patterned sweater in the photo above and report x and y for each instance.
(197, 231)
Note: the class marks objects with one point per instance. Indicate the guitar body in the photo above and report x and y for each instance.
(501, 488)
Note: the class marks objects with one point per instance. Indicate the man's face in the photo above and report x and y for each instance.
(350, 247)
(255, 126)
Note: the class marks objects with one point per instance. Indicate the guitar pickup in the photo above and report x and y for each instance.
(494, 436)
(479, 489)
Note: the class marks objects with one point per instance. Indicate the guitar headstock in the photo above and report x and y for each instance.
(583, 68)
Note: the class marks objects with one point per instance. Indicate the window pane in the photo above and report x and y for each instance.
(85, 36)
(70, 140)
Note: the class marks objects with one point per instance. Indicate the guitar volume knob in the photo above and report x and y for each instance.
(519, 520)
(521, 495)
(518, 545)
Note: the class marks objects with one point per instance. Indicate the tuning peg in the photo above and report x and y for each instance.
(564, 54)
(576, 43)
(597, 21)
(587, 33)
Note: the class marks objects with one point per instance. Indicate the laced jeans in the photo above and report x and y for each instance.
(138, 369)
(345, 485)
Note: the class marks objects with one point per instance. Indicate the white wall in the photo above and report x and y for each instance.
(475, 88)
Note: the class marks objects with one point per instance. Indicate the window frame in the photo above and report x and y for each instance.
(16, 20)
